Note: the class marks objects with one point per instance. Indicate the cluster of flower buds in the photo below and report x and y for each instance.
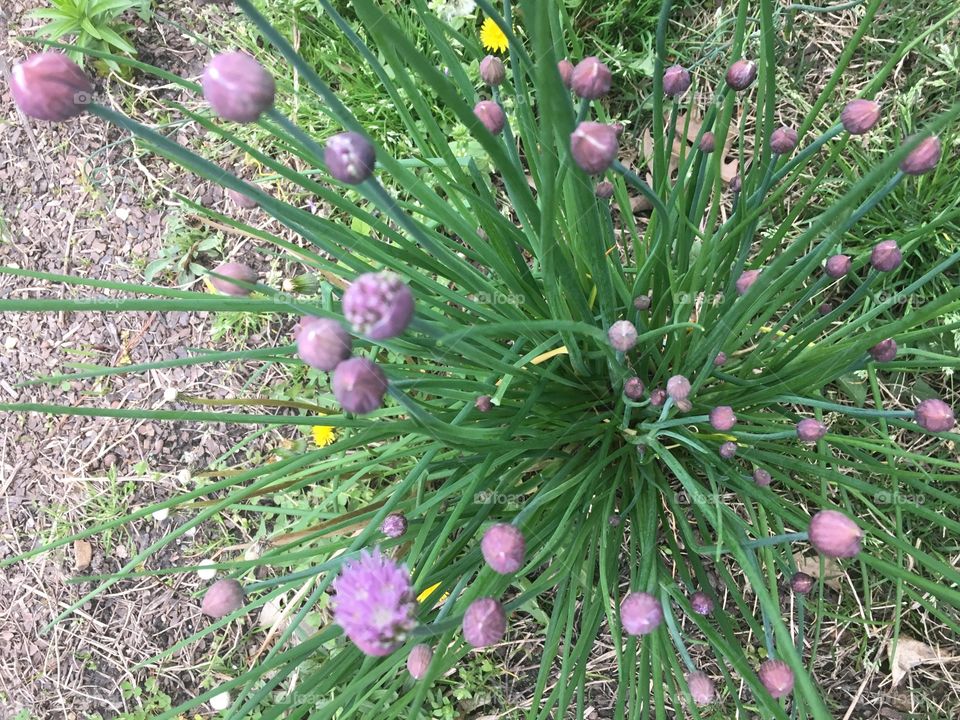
(783, 140)
(322, 343)
(492, 71)
(230, 272)
(590, 79)
(934, 415)
(491, 116)
(622, 335)
(722, 418)
(777, 677)
(676, 80)
(237, 87)
(640, 613)
(741, 74)
(503, 548)
(484, 623)
(394, 525)
(837, 266)
(594, 146)
(833, 534)
(50, 86)
(350, 157)
(701, 603)
(633, 388)
(222, 598)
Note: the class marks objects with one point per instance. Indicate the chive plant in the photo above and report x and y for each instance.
(622, 420)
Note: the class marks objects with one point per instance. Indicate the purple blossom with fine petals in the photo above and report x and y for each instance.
(379, 305)
(374, 603)
(640, 613)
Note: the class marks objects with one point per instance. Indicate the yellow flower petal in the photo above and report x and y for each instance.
(323, 435)
(492, 37)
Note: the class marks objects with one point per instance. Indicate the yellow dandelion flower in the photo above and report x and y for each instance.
(492, 37)
(323, 435)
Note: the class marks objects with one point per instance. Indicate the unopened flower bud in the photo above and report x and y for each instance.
(622, 335)
(777, 678)
(761, 477)
(379, 305)
(707, 142)
(305, 284)
(728, 450)
(322, 343)
(722, 418)
(741, 74)
(783, 140)
(658, 396)
(736, 185)
(222, 598)
(837, 266)
(746, 281)
(676, 80)
(604, 190)
(678, 387)
(810, 430)
(701, 603)
(50, 86)
(503, 548)
(565, 68)
(237, 87)
(394, 525)
(884, 351)
(923, 158)
(484, 623)
(833, 534)
(934, 415)
(886, 256)
(859, 116)
(801, 583)
(233, 271)
(618, 128)
(483, 403)
(642, 302)
(359, 385)
(492, 71)
(701, 688)
(720, 359)
(241, 200)
(594, 146)
(418, 661)
(350, 157)
(825, 308)
(640, 613)
(491, 115)
(591, 79)
(633, 388)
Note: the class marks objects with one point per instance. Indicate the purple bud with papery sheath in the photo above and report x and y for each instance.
(642, 302)
(418, 661)
(934, 415)
(783, 140)
(633, 388)
(394, 525)
(746, 281)
(594, 146)
(350, 157)
(741, 74)
(701, 603)
(722, 418)
(503, 548)
(859, 116)
(604, 190)
(492, 71)
(241, 200)
(707, 142)
(825, 309)
(923, 158)
(701, 688)
(810, 430)
(837, 266)
(622, 335)
(833, 534)
(237, 87)
(565, 68)
(884, 351)
(658, 396)
(728, 450)
(233, 271)
(50, 86)
(222, 598)
(801, 583)
(678, 387)
(886, 256)
(379, 305)
(483, 403)
(777, 677)
(640, 613)
(676, 80)
(591, 79)
(359, 385)
(484, 623)
(322, 343)
(491, 115)
(761, 477)
(720, 359)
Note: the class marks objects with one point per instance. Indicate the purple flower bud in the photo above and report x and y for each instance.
(491, 115)
(720, 359)
(746, 281)
(886, 256)
(777, 677)
(810, 430)
(503, 548)
(379, 305)
(594, 147)
(350, 157)
(642, 302)
(322, 343)
(492, 71)
(237, 87)
(728, 450)
(658, 396)
(722, 418)
(394, 525)
(613, 520)
(801, 583)
(640, 613)
(923, 158)
(684, 405)
(678, 387)
(591, 79)
(707, 142)
(825, 309)
(884, 351)
(622, 335)
(484, 622)
(234, 271)
(837, 266)
(618, 128)
(222, 598)
(701, 688)
(834, 535)
(859, 116)
(676, 80)
(483, 403)
(934, 415)
(241, 200)
(565, 68)
(50, 86)
(761, 477)
(736, 185)
(741, 74)
(633, 388)
(604, 190)
(359, 385)
(783, 140)
(418, 661)
(701, 603)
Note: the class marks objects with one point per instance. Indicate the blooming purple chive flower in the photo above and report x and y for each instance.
(720, 359)
(934, 415)
(642, 302)
(492, 71)
(604, 190)
(859, 116)
(884, 351)
(746, 281)
(50, 86)
(676, 80)
(591, 79)
(701, 688)
(678, 387)
(379, 305)
(491, 115)
(837, 266)
(565, 68)
(503, 548)
(833, 534)
(233, 271)
(701, 603)
(394, 525)
(923, 158)
(658, 396)
(418, 661)
(622, 335)
(801, 583)
(810, 430)
(322, 343)
(359, 385)
(237, 87)
(222, 598)
(633, 388)
(484, 622)
(777, 678)
(241, 200)
(783, 140)
(886, 256)
(707, 142)
(594, 146)
(350, 157)
(741, 74)
(640, 613)
(722, 418)
(374, 603)
(761, 477)
(483, 403)
(728, 450)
